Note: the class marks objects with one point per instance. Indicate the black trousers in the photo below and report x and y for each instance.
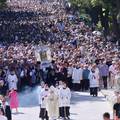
(94, 91)
(84, 85)
(8, 112)
(43, 114)
(87, 84)
(69, 82)
(60, 111)
(104, 81)
(65, 112)
(76, 86)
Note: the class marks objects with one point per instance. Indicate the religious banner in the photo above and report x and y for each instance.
(43, 54)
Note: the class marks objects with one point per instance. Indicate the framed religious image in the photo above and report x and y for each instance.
(37, 55)
(43, 55)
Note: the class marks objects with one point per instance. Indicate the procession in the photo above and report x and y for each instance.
(56, 65)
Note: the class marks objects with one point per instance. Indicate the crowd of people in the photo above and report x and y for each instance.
(46, 6)
(28, 20)
(82, 58)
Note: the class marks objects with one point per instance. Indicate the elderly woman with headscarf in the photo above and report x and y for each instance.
(53, 104)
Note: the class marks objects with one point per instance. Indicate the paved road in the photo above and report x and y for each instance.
(83, 107)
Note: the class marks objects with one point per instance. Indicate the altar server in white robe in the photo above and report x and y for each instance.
(43, 112)
(77, 77)
(52, 105)
(94, 81)
(65, 96)
(40, 89)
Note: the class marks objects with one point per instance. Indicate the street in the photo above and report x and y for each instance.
(83, 107)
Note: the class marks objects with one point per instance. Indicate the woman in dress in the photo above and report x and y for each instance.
(14, 103)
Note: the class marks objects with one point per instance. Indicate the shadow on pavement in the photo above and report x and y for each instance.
(18, 113)
(79, 97)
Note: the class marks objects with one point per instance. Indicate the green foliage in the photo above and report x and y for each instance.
(2, 3)
(105, 13)
(111, 5)
(88, 3)
(96, 2)
(85, 16)
(99, 26)
(80, 3)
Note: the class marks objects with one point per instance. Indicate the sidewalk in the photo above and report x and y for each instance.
(83, 107)
(110, 95)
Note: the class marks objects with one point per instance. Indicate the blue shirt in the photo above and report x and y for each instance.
(104, 70)
(86, 73)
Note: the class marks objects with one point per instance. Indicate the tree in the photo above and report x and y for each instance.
(102, 10)
(2, 3)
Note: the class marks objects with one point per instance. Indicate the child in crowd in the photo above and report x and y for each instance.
(14, 103)
(65, 96)
(106, 116)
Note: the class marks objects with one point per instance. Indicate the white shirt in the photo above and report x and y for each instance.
(39, 91)
(12, 81)
(70, 71)
(65, 96)
(44, 95)
(112, 69)
(94, 79)
(77, 75)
